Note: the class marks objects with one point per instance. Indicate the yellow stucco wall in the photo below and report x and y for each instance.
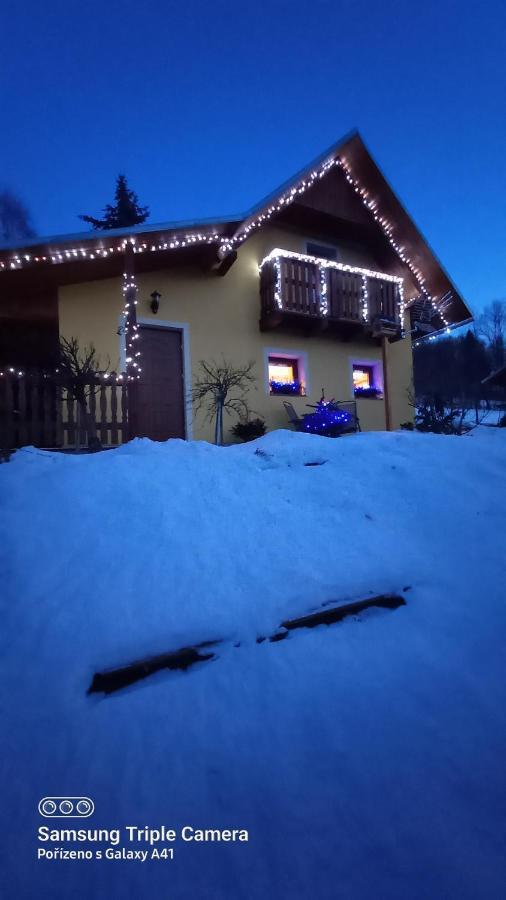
(222, 315)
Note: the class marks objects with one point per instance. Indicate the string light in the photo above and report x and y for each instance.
(368, 202)
(371, 391)
(61, 256)
(276, 255)
(285, 387)
(436, 334)
(388, 230)
(324, 303)
(327, 418)
(329, 264)
(131, 328)
(365, 299)
(227, 244)
(100, 376)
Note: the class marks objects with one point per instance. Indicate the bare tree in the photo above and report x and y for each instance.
(79, 371)
(222, 386)
(491, 326)
(15, 220)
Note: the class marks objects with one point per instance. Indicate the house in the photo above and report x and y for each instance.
(322, 285)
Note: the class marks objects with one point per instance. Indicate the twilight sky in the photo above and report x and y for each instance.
(207, 107)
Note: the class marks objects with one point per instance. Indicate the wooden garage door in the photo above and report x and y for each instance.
(160, 408)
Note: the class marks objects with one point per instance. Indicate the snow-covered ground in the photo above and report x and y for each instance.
(366, 759)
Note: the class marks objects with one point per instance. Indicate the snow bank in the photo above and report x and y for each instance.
(367, 759)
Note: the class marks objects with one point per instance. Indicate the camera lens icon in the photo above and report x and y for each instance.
(48, 807)
(66, 807)
(84, 807)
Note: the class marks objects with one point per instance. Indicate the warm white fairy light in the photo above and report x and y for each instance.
(131, 327)
(365, 299)
(276, 255)
(61, 256)
(368, 202)
(388, 230)
(324, 303)
(101, 376)
(436, 334)
(277, 289)
(329, 264)
(227, 244)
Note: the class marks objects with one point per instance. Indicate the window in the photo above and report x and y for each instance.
(321, 250)
(367, 379)
(286, 374)
(363, 377)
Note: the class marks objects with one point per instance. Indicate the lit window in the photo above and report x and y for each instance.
(283, 372)
(367, 379)
(284, 376)
(362, 378)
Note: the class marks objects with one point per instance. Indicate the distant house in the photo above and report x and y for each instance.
(322, 284)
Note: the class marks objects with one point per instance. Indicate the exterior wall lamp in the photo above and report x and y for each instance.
(155, 302)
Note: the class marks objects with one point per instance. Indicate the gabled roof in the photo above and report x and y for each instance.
(78, 237)
(349, 156)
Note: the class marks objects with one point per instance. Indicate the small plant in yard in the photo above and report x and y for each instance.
(222, 386)
(432, 415)
(249, 430)
(502, 421)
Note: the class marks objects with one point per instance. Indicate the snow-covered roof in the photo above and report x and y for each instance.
(349, 155)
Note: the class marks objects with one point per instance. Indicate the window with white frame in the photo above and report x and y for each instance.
(367, 378)
(286, 373)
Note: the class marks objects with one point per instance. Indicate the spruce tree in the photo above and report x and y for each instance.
(125, 212)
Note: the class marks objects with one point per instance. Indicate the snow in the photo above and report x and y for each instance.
(366, 759)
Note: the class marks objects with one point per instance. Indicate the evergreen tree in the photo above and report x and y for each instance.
(125, 212)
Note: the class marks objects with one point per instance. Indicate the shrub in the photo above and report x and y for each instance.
(502, 421)
(433, 416)
(248, 431)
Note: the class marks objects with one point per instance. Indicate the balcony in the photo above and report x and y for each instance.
(299, 290)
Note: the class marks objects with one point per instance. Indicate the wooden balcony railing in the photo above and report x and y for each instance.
(295, 287)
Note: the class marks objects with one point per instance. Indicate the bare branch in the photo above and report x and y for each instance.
(222, 386)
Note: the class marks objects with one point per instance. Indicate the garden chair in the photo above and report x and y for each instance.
(350, 406)
(295, 420)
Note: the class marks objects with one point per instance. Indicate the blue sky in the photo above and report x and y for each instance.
(208, 107)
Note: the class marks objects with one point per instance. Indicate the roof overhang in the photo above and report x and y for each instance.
(220, 238)
(352, 157)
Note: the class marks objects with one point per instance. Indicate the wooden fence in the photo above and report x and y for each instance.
(42, 411)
